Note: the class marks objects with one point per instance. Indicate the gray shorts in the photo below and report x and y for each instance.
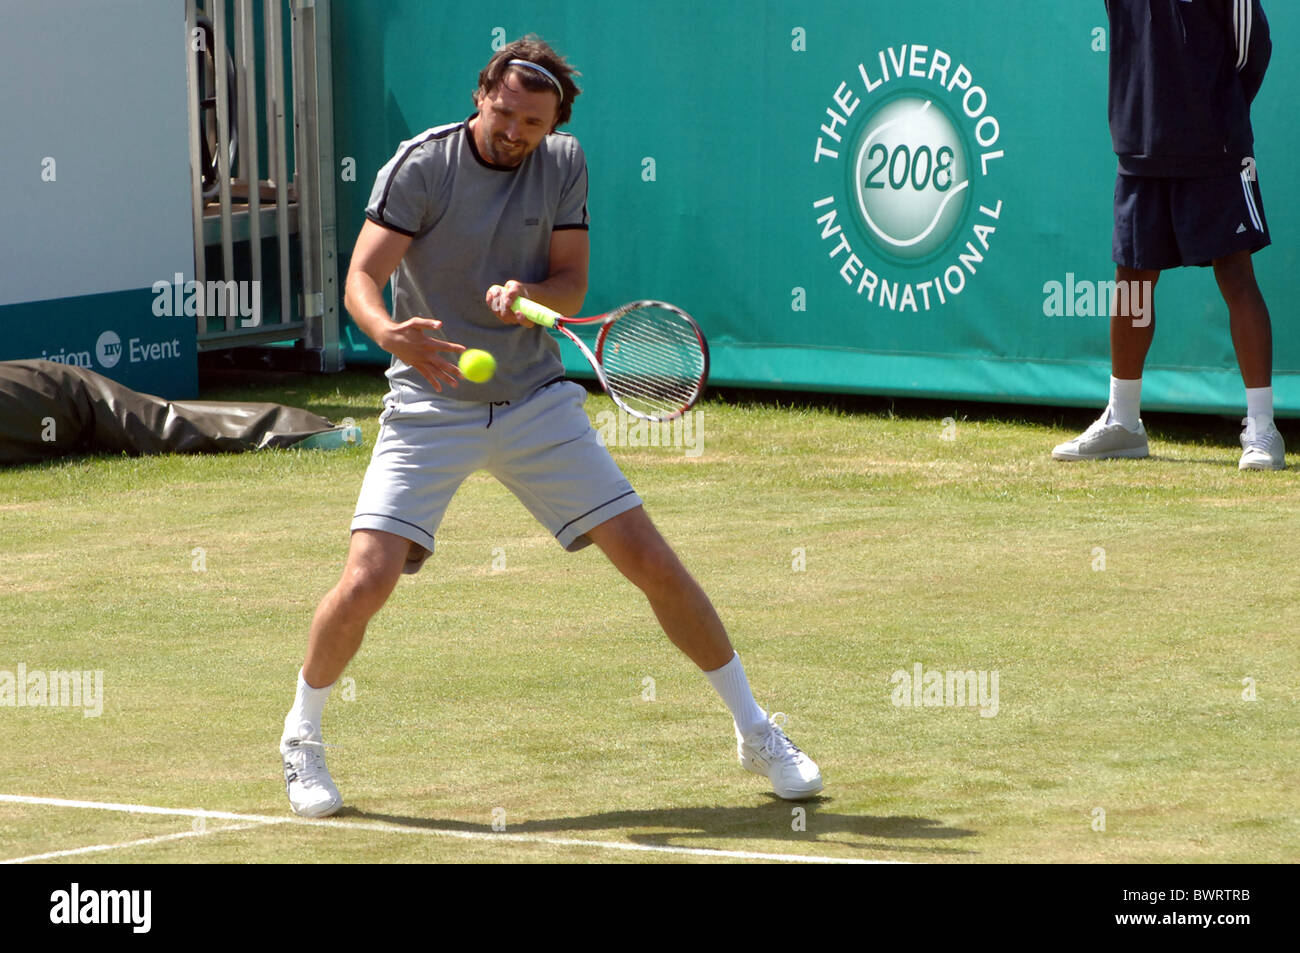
(543, 448)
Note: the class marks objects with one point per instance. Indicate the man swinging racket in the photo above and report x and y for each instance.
(499, 199)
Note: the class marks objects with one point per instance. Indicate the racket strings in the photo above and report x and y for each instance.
(654, 361)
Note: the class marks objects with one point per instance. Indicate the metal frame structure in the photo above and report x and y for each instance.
(303, 206)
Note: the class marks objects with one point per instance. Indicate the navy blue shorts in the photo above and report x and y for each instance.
(1166, 223)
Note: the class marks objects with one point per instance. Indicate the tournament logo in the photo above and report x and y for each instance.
(907, 197)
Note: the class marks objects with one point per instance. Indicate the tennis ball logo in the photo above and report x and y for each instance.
(911, 177)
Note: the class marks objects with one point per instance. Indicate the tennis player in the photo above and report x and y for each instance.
(1183, 75)
(497, 199)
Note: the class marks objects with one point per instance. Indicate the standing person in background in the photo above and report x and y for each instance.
(1183, 75)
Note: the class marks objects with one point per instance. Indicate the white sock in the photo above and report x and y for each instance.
(1125, 401)
(308, 704)
(1259, 404)
(730, 682)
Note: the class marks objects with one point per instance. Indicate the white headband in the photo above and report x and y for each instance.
(544, 71)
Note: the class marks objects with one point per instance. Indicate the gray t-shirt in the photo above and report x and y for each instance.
(475, 224)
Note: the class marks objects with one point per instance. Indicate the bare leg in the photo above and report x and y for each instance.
(375, 561)
(640, 553)
(1252, 331)
(1132, 327)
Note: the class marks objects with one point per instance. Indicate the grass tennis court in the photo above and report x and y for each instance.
(1126, 607)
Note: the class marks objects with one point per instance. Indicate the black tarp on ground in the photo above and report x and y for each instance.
(49, 409)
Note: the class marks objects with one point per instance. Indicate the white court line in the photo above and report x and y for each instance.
(95, 848)
(436, 832)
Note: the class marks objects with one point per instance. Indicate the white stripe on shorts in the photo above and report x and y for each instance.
(1250, 201)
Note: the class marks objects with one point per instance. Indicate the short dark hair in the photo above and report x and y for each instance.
(535, 50)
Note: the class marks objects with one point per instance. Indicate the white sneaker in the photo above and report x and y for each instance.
(311, 791)
(1105, 439)
(793, 774)
(1261, 449)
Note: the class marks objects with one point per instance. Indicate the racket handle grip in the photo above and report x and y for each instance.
(536, 313)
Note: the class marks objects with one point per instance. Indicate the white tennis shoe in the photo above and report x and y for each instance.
(306, 779)
(1105, 439)
(1261, 449)
(793, 774)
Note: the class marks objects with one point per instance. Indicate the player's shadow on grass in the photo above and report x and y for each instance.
(1161, 458)
(775, 820)
(1155, 458)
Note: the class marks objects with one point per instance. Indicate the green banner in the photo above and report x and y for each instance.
(865, 197)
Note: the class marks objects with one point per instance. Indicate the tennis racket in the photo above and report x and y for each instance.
(651, 357)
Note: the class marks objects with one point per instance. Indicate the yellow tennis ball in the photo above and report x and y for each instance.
(477, 366)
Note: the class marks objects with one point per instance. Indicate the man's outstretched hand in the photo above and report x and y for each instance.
(408, 341)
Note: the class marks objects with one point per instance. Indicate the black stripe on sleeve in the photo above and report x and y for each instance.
(388, 225)
(397, 166)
